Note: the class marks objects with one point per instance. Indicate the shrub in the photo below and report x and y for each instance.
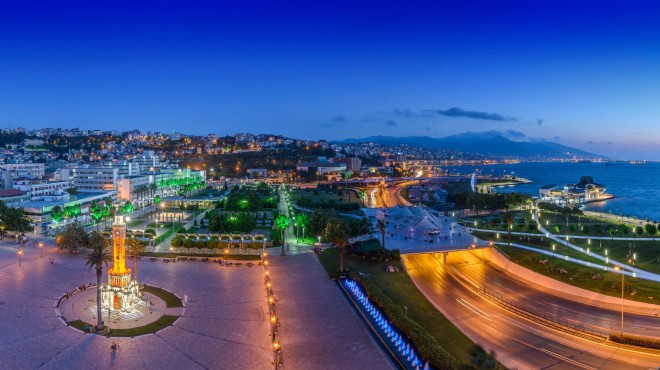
(188, 243)
(396, 254)
(177, 241)
(635, 340)
(150, 231)
(428, 347)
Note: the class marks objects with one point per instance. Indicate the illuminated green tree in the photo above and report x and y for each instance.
(57, 214)
(126, 208)
(282, 222)
(302, 221)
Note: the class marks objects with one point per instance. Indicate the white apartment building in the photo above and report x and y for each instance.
(126, 186)
(95, 178)
(39, 189)
(37, 170)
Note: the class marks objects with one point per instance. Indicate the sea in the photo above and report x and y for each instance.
(636, 187)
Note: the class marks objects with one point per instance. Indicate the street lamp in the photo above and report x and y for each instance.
(622, 300)
(41, 246)
(20, 255)
(553, 250)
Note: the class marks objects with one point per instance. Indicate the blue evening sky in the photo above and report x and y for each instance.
(581, 73)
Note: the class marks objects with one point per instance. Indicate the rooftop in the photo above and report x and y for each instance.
(10, 193)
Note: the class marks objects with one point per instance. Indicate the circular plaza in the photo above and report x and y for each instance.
(224, 324)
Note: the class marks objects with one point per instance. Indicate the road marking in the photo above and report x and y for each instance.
(569, 360)
(469, 308)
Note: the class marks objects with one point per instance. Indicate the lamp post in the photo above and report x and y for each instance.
(20, 256)
(41, 249)
(622, 299)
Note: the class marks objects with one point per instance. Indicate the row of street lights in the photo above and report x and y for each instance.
(274, 320)
(19, 252)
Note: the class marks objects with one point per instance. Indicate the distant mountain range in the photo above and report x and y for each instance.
(485, 143)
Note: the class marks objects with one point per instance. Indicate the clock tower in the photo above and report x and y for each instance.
(121, 293)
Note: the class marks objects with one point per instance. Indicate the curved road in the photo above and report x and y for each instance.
(519, 342)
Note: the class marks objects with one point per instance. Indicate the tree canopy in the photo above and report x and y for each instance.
(72, 237)
(14, 219)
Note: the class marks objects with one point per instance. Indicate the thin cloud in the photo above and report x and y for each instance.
(409, 113)
(340, 119)
(391, 123)
(456, 112)
(461, 113)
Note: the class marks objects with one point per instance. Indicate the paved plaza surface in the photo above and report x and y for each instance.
(224, 325)
(421, 232)
(319, 329)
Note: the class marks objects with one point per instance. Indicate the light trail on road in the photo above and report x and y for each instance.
(518, 342)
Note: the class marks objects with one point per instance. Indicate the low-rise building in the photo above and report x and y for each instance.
(37, 170)
(585, 191)
(13, 196)
(352, 163)
(40, 188)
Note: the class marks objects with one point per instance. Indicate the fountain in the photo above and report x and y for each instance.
(399, 344)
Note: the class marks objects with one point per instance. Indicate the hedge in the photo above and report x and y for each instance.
(427, 346)
(635, 340)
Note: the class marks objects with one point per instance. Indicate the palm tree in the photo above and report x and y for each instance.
(282, 222)
(135, 247)
(335, 232)
(96, 257)
(381, 226)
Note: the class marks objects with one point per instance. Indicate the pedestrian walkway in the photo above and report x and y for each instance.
(319, 330)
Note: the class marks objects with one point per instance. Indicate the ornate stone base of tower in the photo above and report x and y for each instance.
(123, 297)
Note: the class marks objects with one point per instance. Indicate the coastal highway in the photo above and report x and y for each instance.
(517, 342)
(540, 301)
(390, 196)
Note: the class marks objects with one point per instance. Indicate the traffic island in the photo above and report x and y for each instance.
(161, 309)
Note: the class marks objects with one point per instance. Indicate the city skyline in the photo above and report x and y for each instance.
(574, 74)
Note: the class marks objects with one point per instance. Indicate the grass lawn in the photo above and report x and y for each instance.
(310, 199)
(485, 222)
(167, 233)
(581, 276)
(242, 257)
(161, 323)
(540, 242)
(401, 289)
(585, 225)
(170, 299)
(648, 252)
(135, 222)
